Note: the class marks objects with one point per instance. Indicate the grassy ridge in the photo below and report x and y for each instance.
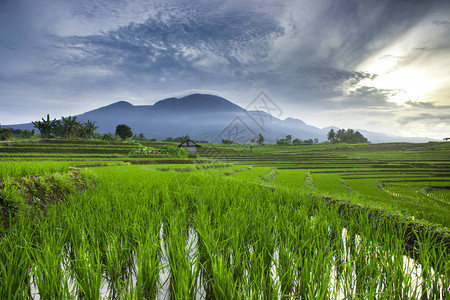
(28, 197)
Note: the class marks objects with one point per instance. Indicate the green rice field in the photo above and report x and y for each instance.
(90, 220)
(367, 174)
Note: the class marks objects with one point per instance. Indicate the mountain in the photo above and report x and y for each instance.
(206, 117)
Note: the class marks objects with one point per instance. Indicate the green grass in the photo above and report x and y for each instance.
(292, 179)
(330, 183)
(10, 169)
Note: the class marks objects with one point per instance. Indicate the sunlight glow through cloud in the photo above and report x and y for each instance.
(405, 84)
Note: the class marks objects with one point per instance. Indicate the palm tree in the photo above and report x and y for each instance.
(260, 139)
(288, 139)
(88, 129)
(58, 129)
(70, 126)
(331, 135)
(45, 127)
(340, 135)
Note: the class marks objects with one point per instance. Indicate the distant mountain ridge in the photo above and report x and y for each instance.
(207, 117)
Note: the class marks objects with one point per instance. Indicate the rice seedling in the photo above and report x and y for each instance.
(181, 256)
(15, 263)
(50, 272)
(148, 266)
(118, 262)
(87, 270)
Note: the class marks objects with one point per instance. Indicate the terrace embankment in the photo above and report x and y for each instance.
(34, 194)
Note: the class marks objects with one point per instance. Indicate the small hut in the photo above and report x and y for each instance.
(190, 146)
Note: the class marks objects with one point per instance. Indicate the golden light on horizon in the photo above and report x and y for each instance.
(404, 85)
(407, 70)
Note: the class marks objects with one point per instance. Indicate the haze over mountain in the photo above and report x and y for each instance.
(209, 117)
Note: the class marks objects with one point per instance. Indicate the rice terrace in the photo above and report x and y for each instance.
(95, 219)
(225, 149)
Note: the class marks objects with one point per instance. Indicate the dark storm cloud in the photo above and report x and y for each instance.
(368, 97)
(202, 46)
(311, 85)
(326, 78)
(343, 33)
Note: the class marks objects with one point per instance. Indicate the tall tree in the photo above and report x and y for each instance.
(296, 142)
(260, 139)
(348, 136)
(87, 130)
(359, 138)
(70, 126)
(331, 136)
(26, 134)
(282, 142)
(340, 135)
(45, 127)
(182, 139)
(139, 137)
(124, 131)
(5, 134)
(58, 129)
(288, 139)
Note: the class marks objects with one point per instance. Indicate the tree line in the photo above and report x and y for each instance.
(66, 127)
(288, 141)
(341, 136)
(7, 133)
(181, 139)
(346, 136)
(69, 128)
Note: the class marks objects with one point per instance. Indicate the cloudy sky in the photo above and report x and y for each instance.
(377, 65)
